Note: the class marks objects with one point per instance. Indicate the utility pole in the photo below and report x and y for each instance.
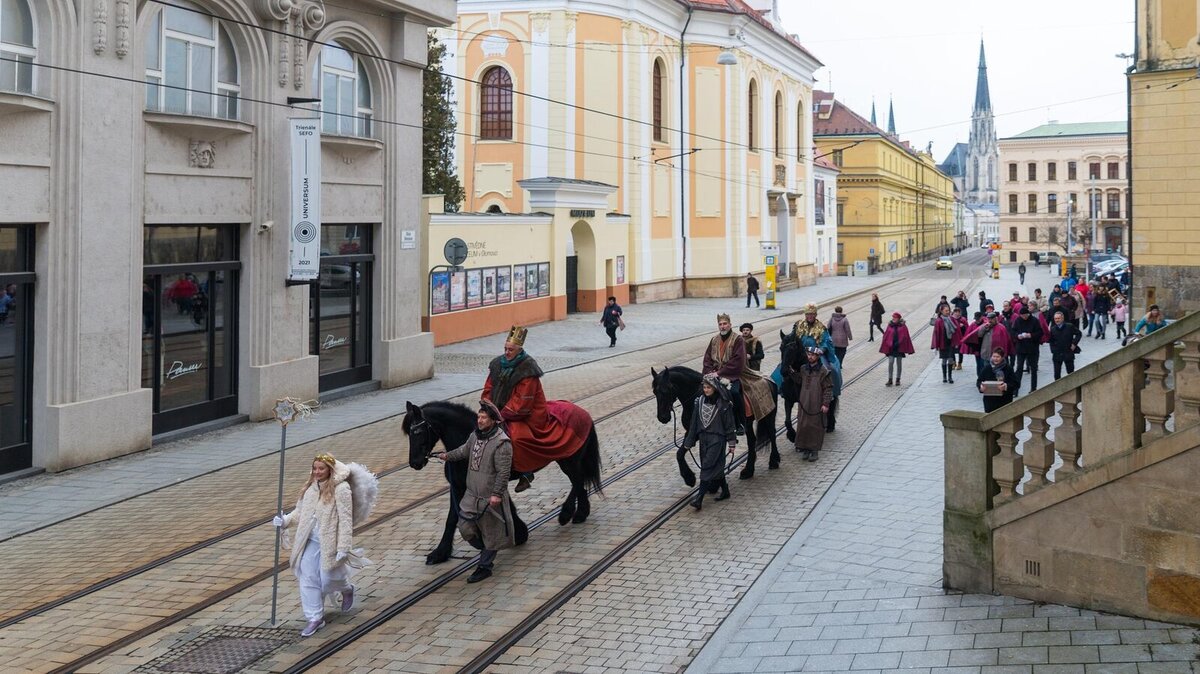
(1069, 205)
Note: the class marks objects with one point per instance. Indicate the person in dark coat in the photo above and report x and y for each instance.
(611, 320)
(1101, 306)
(816, 395)
(840, 333)
(751, 290)
(754, 347)
(1064, 344)
(1021, 272)
(946, 336)
(961, 302)
(1027, 333)
(876, 316)
(713, 428)
(998, 370)
(896, 345)
(984, 301)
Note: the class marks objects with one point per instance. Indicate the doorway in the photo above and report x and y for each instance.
(340, 306)
(16, 347)
(572, 279)
(189, 323)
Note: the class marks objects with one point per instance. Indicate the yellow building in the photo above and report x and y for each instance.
(1165, 131)
(893, 206)
(591, 94)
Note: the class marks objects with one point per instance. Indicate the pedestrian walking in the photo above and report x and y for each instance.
(961, 303)
(751, 290)
(840, 333)
(485, 512)
(1064, 344)
(1089, 309)
(984, 302)
(986, 336)
(1120, 316)
(945, 340)
(876, 316)
(713, 428)
(1027, 332)
(1101, 307)
(815, 383)
(336, 497)
(1021, 273)
(961, 326)
(611, 319)
(896, 345)
(998, 383)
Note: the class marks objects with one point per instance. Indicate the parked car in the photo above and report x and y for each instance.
(1050, 258)
(944, 262)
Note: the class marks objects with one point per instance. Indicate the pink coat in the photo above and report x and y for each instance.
(900, 330)
(1000, 338)
(939, 335)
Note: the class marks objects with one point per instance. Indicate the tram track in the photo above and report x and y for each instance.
(769, 341)
(543, 611)
(247, 583)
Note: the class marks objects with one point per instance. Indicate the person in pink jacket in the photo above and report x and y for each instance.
(989, 335)
(1120, 314)
(896, 345)
(946, 337)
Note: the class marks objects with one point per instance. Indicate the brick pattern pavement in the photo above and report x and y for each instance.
(858, 587)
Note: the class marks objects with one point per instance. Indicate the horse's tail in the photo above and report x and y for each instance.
(591, 463)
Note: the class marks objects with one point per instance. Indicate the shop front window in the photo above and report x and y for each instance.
(340, 306)
(16, 346)
(189, 336)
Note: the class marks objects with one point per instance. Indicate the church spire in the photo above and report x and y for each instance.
(983, 99)
(873, 122)
(891, 117)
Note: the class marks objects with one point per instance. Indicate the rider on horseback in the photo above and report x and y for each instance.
(726, 357)
(514, 385)
(812, 333)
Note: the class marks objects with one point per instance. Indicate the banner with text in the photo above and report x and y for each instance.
(304, 259)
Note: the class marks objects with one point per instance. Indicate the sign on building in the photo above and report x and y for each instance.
(304, 255)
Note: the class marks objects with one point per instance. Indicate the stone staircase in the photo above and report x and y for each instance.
(1087, 491)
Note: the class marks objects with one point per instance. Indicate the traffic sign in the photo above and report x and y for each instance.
(770, 259)
(455, 251)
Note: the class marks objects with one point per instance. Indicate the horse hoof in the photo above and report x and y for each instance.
(564, 517)
(579, 518)
(773, 465)
(436, 558)
(791, 436)
(746, 474)
(689, 479)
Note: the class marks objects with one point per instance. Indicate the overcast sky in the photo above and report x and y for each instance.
(1043, 57)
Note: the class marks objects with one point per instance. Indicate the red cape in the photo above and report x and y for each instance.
(541, 431)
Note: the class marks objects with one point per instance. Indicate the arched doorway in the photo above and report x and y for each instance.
(580, 265)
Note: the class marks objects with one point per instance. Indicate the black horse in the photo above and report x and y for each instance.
(683, 384)
(451, 424)
(791, 356)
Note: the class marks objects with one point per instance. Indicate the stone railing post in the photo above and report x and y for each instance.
(1008, 467)
(1068, 437)
(1158, 401)
(1039, 449)
(966, 537)
(1187, 383)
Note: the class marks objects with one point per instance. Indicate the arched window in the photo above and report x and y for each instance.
(751, 109)
(191, 66)
(778, 124)
(659, 82)
(496, 105)
(345, 93)
(16, 44)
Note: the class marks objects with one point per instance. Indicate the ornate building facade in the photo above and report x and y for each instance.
(144, 151)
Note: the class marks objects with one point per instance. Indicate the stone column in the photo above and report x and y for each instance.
(966, 537)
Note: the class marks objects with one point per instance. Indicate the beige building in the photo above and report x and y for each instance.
(144, 236)
(1059, 172)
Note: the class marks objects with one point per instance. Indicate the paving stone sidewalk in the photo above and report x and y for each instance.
(41, 500)
(858, 587)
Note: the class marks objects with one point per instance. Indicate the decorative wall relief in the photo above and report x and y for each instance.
(123, 15)
(494, 45)
(202, 154)
(298, 20)
(310, 18)
(100, 27)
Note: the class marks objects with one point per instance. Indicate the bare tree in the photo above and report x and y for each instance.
(1052, 233)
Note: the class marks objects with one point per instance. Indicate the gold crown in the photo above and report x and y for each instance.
(325, 458)
(810, 308)
(517, 335)
(723, 317)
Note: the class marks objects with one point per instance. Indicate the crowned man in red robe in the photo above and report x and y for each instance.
(541, 431)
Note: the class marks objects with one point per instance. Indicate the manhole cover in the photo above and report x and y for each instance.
(224, 650)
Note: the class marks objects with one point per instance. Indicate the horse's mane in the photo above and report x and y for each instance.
(441, 413)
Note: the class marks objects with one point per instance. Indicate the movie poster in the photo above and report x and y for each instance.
(504, 285)
(439, 292)
(474, 288)
(458, 291)
(531, 280)
(544, 279)
(489, 286)
(620, 269)
(518, 282)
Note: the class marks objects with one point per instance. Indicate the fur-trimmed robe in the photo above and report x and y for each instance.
(335, 518)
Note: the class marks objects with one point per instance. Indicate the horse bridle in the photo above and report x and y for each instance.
(419, 427)
(675, 422)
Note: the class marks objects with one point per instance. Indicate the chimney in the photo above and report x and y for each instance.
(768, 8)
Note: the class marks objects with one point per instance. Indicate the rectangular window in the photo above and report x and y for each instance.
(1012, 256)
(1072, 173)
(1052, 234)
(1012, 172)
(1032, 170)
(841, 213)
(1052, 171)
(1114, 170)
(1012, 234)
(837, 157)
(1033, 235)
(1094, 170)
(1012, 202)
(1114, 205)
(1032, 207)
(1051, 203)
(1033, 256)
(1093, 204)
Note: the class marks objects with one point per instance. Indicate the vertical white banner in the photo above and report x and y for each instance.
(304, 259)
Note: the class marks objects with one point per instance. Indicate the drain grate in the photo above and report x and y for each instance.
(224, 650)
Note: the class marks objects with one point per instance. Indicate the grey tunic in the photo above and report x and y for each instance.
(816, 389)
(488, 465)
(715, 437)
